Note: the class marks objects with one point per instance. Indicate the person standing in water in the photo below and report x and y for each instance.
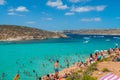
(3, 75)
(116, 45)
(67, 63)
(56, 65)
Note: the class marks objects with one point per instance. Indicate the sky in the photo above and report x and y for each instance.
(61, 14)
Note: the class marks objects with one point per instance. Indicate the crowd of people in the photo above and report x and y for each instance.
(114, 55)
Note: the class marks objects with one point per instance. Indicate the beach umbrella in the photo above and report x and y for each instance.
(110, 76)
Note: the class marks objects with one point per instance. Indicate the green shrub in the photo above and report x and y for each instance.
(105, 70)
(86, 74)
(74, 76)
(91, 68)
(79, 71)
(104, 59)
(86, 77)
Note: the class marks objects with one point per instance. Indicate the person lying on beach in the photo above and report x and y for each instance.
(116, 58)
(52, 77)
(48, 77)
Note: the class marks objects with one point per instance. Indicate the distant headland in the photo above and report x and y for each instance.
(16, 33)
(95, 31)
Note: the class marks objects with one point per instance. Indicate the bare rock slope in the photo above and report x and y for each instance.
(14, 33)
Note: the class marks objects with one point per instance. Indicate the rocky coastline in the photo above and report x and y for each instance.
(18, 33)
(94, 32)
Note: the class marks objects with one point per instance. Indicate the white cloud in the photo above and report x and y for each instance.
(58, 4)
(21, 9)
(43, 12)
(88, 8)
(47, 19)
(11, 13)
(11, 10)
(14, 14)
(69, 13)
(30, 22)
(62, 7)
(21, 15)
(117, 17)
(2, 2)
(76, 1)
(97, 19)
(55, 3)
(100, 8)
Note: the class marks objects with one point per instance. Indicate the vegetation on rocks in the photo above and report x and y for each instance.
(86, 75)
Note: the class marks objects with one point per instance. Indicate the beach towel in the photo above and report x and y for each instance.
(110, 76)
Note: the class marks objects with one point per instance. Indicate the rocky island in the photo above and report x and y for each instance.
(95, 31)
(16, 33)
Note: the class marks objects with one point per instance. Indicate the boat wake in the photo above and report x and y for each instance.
(85, 41)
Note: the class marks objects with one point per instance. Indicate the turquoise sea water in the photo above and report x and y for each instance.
(40, 55)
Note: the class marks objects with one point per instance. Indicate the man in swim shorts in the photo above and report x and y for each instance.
(56, 67)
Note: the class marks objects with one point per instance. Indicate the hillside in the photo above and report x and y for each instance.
(95, 31)
(12, 32)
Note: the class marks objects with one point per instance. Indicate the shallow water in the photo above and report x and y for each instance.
(40, 55)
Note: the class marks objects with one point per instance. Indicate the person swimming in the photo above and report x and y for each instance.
(27, 73)
(31, 61)
(36, 76)
(43, 65)
(34, 71)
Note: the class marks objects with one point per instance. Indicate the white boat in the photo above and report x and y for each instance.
(86, 38)
(116, 37)
(107, 40)
(86, 41)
